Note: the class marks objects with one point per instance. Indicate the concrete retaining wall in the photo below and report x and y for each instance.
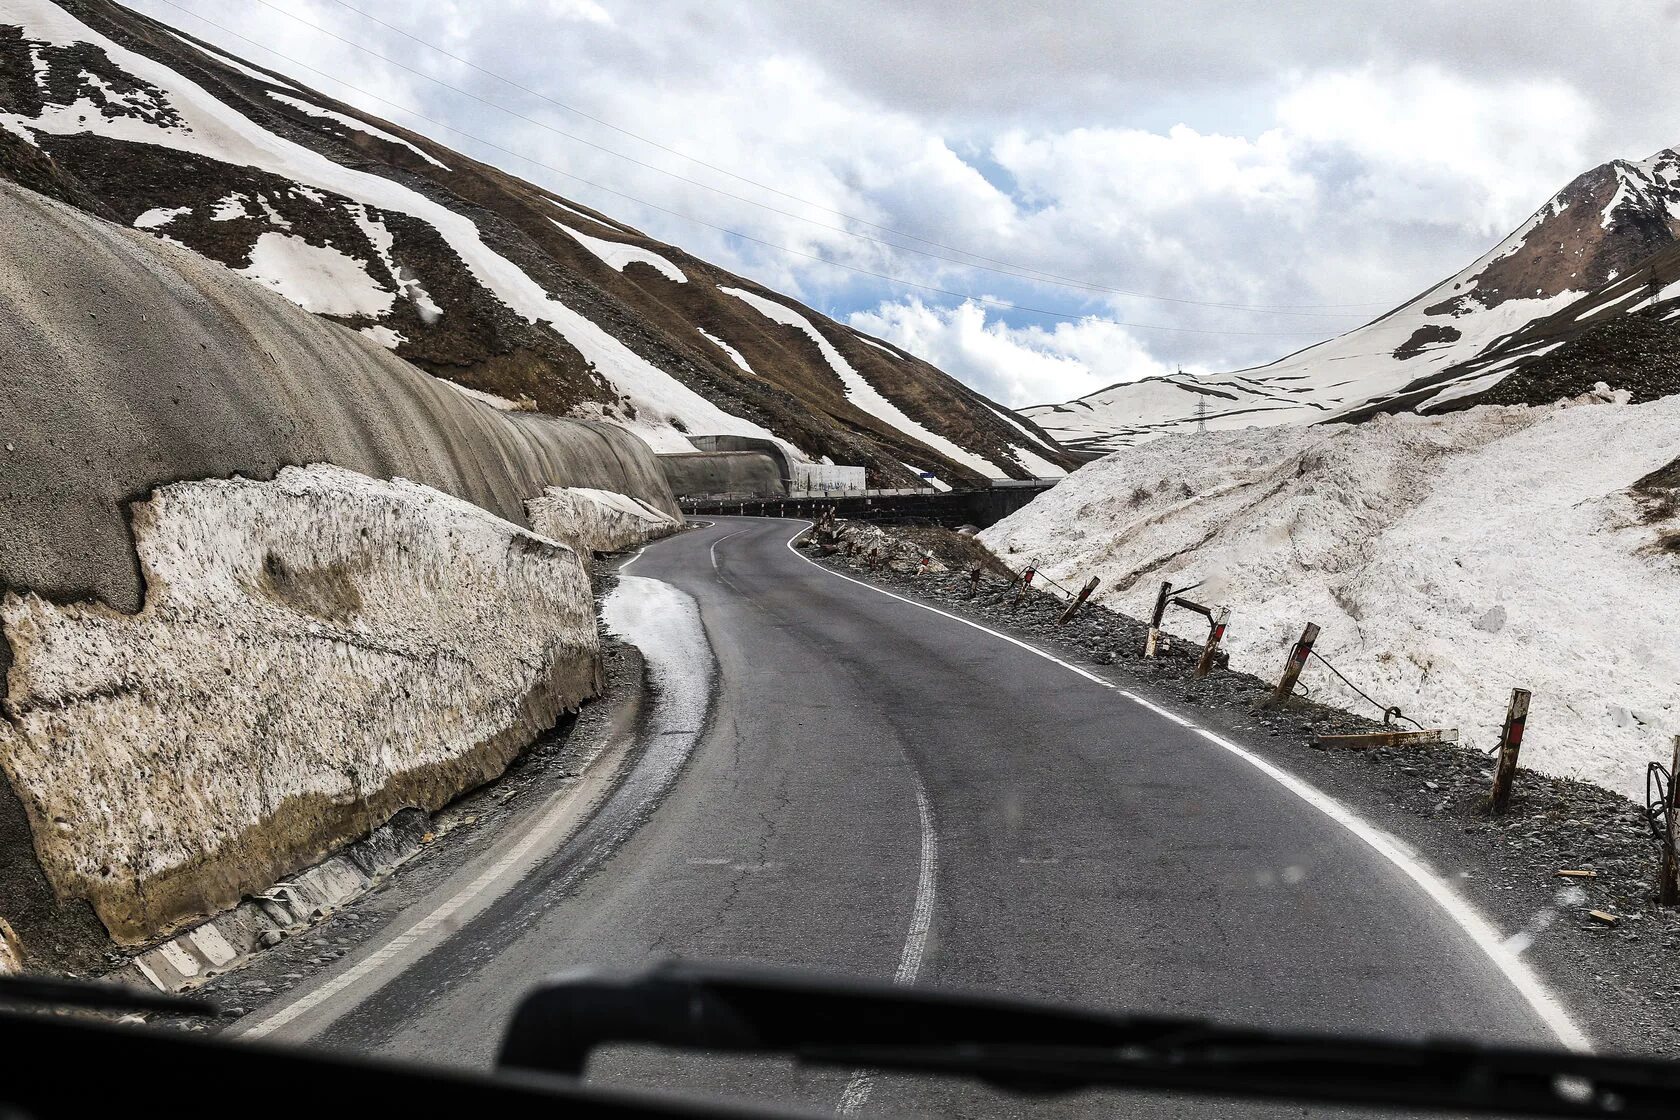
(746, 474)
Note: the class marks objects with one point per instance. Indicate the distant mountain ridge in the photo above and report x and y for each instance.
(1583, 257)
(465, 270)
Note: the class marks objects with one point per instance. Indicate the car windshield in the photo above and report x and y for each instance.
(1157, 525)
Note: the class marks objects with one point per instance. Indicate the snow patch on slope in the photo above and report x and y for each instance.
(734, 355)
(233, 63)
(616, 254)
(1448, 560)
(214, 129)
(862, 394)
(160, 216)
(317, 278)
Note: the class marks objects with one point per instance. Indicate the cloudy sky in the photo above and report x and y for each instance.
(1041, 199)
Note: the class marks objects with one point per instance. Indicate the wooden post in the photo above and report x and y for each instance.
(1292, 668)
(1160, 612)
(1510, 742)
(874, 557)
(1215, 635)
(974, 580)
(1668, 891)
(1079, 601)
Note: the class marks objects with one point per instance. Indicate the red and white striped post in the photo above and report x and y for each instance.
(1155, 618)
(1079, 600)
(1215, 636)
(1510, 742)
(1292, 668)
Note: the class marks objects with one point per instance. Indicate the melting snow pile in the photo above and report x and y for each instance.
(1447, 559)
(313, 654)
(592, 520)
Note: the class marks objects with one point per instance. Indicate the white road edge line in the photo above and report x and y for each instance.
(862, 1083)
(559, 804)
(1481, 932)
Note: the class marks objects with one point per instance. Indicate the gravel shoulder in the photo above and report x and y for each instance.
(1613, 977)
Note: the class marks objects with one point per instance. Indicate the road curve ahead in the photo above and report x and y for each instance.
(885, 790)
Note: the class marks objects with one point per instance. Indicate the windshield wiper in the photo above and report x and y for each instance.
(1044, 1048)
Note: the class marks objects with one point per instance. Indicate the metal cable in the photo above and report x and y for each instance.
(1386, 709)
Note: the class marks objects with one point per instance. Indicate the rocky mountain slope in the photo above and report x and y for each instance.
(464, 270)
(1582, 259)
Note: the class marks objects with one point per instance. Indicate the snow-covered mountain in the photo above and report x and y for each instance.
(1593, 237)
(468, 272)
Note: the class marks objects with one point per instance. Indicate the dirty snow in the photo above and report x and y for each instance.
(1448, 559)
(616, 254)
(860, 392)
(314, 653)
(352, 123)
(591, 520)
(317, 278)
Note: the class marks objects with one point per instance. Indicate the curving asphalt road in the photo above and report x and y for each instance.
(884, 790)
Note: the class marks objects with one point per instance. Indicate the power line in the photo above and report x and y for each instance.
(984, 300)
(1004, 268)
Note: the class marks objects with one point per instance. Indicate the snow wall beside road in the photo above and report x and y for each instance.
(314, 654)
(1447, 559)
(132, 365)
(597, 520)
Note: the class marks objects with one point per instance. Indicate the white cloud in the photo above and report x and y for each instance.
(1013, 365)
(1241, 166)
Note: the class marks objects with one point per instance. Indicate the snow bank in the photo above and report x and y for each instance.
(313, 654)
(1447, 559)
(591, 520)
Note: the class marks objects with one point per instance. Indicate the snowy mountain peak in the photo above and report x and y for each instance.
(1601, 226)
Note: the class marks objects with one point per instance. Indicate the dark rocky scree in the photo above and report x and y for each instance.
(1614, 978)
(1632, 352)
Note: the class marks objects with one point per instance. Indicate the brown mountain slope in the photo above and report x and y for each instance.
(463, 269)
